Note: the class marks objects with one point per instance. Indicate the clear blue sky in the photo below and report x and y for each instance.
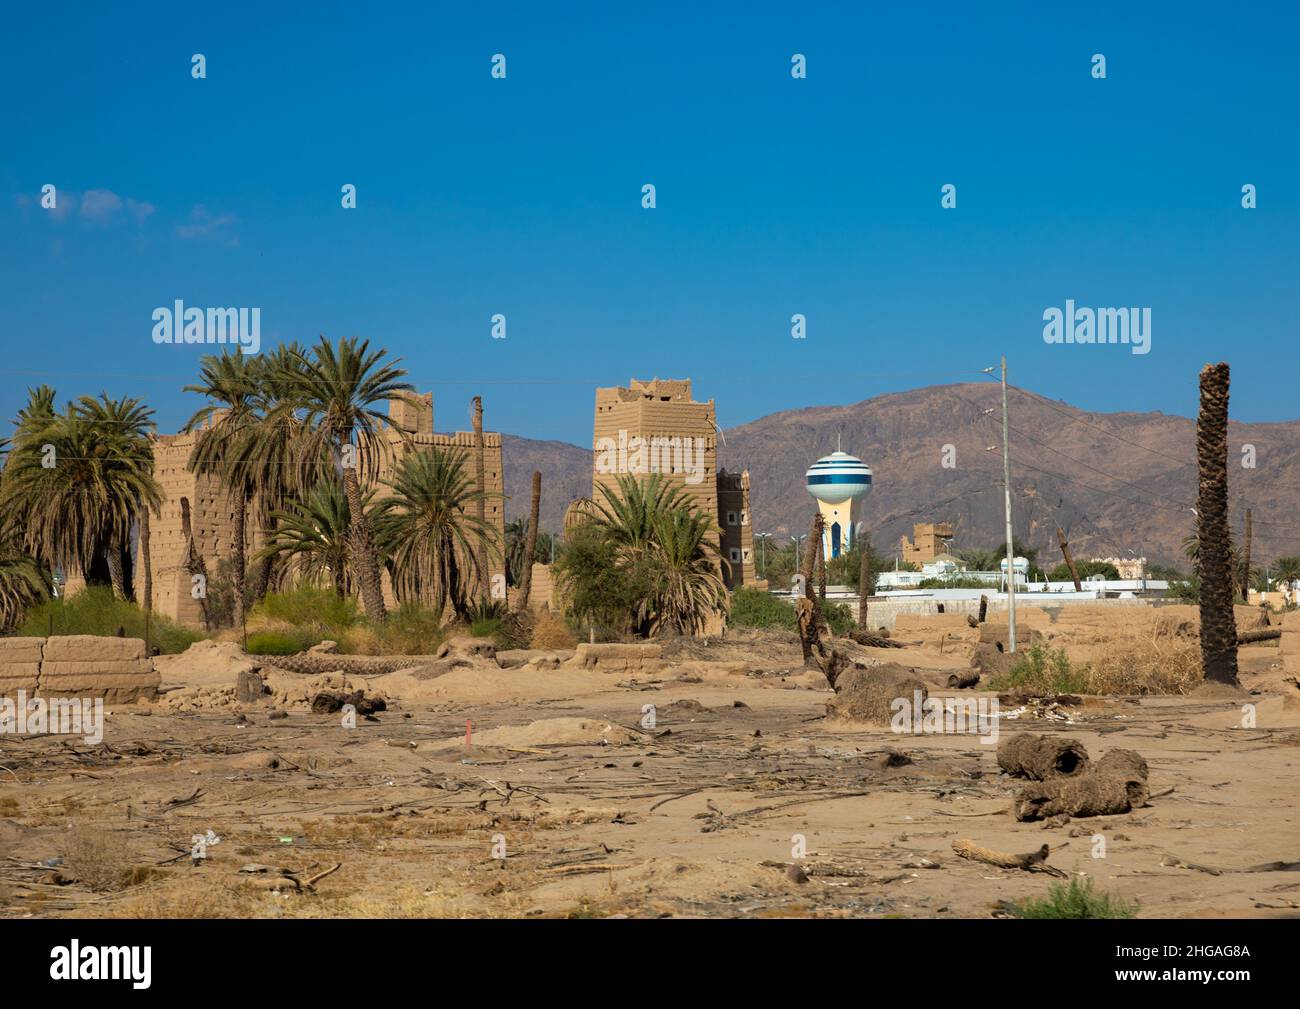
(775, 196)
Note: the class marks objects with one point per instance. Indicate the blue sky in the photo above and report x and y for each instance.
(775, 196)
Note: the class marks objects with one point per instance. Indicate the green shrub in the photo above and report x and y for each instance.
(1078, 900)
(309, 607)
(756, 608)
(95, 610)
(1043, 669)
(277, 643)
(411, 629)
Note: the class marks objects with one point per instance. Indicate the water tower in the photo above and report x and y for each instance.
(838, 481)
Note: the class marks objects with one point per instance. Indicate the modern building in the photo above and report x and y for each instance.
(838, 482)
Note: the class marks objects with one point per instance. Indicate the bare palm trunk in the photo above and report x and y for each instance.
(367, 562)
(1218, 624)
(237, 546)
(530, 545)
(821, 568)
(864, 584)
(116, 573)
(146, 561)
(194, 564)
(806, 572)
(480, 506)
(1245, 567)
(1069, 558)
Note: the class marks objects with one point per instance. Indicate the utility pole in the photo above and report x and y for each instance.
(1011, 552)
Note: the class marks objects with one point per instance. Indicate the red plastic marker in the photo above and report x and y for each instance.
(467, 733)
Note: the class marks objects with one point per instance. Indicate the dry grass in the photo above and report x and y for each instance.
(1147, 665)
(550, 631)
(98, 859)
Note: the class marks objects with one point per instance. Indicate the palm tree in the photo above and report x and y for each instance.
(272, 454)
(1214, 557)
(337, 389)
(666, 548)
(315, 535)
(427, 529)
(23, 582)
(75, 482)
(226, 426)
(687, 571)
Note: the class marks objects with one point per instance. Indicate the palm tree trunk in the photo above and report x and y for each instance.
(194, 564)
(116, 573)
(806, 572)
(530, 545)
(146, 561)
(480, 506)
(367, 562)
(1245, 566)
(237, 554)
(1069, 558)
(1218, 624)
(864, 584)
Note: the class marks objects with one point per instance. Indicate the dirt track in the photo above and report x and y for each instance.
(696, 818)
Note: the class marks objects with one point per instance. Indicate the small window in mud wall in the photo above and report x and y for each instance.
(744, 518)
(747, 554)
(731, 518)
(735, 555)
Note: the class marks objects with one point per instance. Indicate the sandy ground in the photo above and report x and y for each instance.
(597, 816)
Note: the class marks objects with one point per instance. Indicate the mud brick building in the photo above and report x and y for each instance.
(657, 427)
(212, 513)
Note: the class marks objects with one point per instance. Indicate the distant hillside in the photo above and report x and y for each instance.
(1118, 483)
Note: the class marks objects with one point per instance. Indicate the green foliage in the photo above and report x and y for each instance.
(600, 594)
(755, 608)
(1086, 569)
(279, 643)
(311, 608)
(956, 581)
(1043, 669)
(1187, 591)
(95, 610)
(1078, 900)
(412, 629)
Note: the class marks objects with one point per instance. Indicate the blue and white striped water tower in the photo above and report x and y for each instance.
(838, 481)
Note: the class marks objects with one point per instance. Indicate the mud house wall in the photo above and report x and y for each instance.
(414, 415)
(77, 665)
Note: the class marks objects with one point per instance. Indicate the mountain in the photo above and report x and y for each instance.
(1119, 484)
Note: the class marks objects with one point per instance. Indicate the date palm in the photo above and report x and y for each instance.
(337, 390)
(226, 426)
(75, 482)
(431, 531)
(315, 536)
(686, 568)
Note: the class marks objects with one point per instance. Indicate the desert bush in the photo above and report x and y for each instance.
(1045, 670)
(97, 859)
(95, 610)
(309, 607)
(550, 631)
(756, 608)
(1078, 900)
